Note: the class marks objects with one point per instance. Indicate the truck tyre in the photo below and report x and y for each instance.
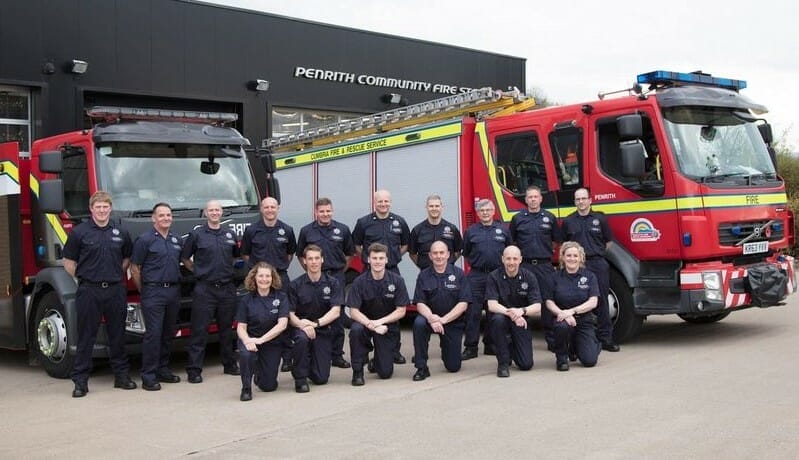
(626, 323)
(704, 319)
(50, 337)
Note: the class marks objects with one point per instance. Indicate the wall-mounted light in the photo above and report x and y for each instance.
(48, 68)
(259, 85)
(392, 98)
(78, 67)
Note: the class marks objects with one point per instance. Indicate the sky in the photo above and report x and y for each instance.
(575, 49)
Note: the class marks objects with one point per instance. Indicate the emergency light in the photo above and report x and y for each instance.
(133, 113)
(663, 77)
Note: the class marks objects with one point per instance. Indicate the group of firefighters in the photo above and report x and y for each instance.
(300, 321)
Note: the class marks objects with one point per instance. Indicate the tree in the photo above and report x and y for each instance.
(541, 99)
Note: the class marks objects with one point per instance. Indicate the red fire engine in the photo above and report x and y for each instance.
(683, 169)
(140, 156)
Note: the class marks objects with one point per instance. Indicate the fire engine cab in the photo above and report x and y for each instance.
(681, 164)
(140, 156)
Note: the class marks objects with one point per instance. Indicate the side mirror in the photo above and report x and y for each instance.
(632, 159)
(268, 163)
(630, 127)
(273, 188)
(51, 196)
(765, 133)
(51, 162)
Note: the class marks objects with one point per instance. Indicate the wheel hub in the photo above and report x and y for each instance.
(52, 336)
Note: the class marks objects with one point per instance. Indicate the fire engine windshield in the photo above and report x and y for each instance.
(138, 175)
(718, 145)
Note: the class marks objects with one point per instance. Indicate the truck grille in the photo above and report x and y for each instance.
(731, 233)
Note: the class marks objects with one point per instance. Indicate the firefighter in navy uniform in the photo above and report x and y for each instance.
(272, 241)
(335, 240)
(534, 231)
(442, 295)
(391, 230)
(155, 268)
(571, 299)
(210, 252)
(262, 318)
(377, 301)
(513, 296)
(316, 300)
(483, 244)
(97, 253)
(591, 230)
(434, 228)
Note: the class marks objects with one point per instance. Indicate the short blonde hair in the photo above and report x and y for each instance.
(570, 245)
(249, 281)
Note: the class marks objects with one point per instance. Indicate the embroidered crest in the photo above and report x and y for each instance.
(115, 231)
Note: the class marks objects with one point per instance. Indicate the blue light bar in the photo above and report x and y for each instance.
(665, 77)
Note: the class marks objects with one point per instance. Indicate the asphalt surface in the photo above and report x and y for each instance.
(725, 390)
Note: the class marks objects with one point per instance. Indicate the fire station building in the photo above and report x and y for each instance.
(280, 75)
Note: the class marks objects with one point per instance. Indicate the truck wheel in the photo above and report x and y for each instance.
(51, 337)
(626, 323)
(704, 319)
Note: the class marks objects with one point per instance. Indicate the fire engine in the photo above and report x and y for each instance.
(140, 156)
(681, 165)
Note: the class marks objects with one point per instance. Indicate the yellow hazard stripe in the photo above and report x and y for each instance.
(373, 144)
(12, 171)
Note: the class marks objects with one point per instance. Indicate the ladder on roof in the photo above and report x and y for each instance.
(483, 101)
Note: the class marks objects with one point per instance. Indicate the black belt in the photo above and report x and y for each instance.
(164, 284)
(102, 284)
(533, 261)
(484, 269)
(216, 284)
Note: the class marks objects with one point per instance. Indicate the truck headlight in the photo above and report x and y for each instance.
(134, 321)
(711, 280)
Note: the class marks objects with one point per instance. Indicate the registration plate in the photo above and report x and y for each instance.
(756, 247)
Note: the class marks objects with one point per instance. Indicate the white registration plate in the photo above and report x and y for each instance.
(756, 247)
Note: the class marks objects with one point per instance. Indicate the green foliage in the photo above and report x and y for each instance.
(788, 168)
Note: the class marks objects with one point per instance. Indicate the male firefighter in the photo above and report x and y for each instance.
(590, 228)
(97, 253)
(391, 230)
(271, 240)
(442, 295)
(155, 269)
(377, 301)
(483, 244)
(534, 231)
(210, 252)
(512, 294)
(434, 228)
(316, 299)
(335, 240)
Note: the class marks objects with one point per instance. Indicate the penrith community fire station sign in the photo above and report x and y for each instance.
(374, 80)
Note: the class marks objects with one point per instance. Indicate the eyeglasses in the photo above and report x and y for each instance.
(581, 199)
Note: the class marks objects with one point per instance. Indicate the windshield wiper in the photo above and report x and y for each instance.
(238, 209)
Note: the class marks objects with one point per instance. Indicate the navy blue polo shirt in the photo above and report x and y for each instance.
(260, 313)
(272, 245)
(425, 234)
(377, 298)
(483, 245)
(158, 257)
(98, 251)
(391, 231)
(513, 292)
(334, 239)
(213, 251)
(442, 291)
(313, 299)
(570, 290)
(534, 233)
(591, 231)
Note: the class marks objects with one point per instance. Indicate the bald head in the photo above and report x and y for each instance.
(269, 208)
(511, 259)
(382, 203)
(213, 213)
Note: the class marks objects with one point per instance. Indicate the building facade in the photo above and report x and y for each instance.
(280, 75)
